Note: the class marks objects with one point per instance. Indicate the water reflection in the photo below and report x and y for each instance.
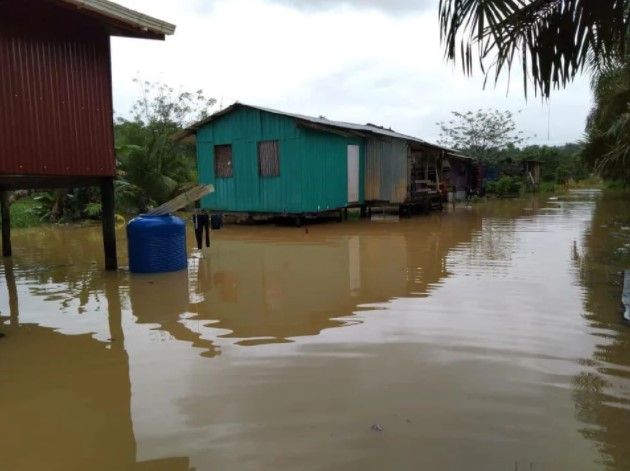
(265, 285)
(9, 276)
(463, 334)
(259, 285)
(277, 285)
(69, 397)
(162, 301)
(602, 389)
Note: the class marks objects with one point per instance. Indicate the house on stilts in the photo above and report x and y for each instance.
(56, 112)
(263, 161)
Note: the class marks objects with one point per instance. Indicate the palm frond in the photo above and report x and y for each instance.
(553, 40)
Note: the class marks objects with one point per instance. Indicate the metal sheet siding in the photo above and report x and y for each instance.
(55, 92)
(247, 191)
(325, 170)
(313, 166)
(386, 170)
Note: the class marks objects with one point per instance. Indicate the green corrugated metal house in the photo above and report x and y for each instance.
(265, 161)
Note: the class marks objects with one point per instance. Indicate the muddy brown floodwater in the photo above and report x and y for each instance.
(484, 338)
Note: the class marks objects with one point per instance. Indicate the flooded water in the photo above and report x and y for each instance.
(485, 338)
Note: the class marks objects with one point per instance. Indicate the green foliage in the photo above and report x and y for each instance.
(93, 210)
(152, 166)
(66, 205)
(44, 208)
(491, 187)
(607, 149)
(506, 185)
(559, 164)
(547, 187)
(22, 214)
(615, 185)
(507, 33)
(484, 135)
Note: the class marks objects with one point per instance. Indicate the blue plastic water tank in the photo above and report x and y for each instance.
(156, 244)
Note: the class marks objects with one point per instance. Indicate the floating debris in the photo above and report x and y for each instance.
(376, 428)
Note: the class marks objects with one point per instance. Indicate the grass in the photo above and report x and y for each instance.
(23, 215)
(614, 185)
(547, 187)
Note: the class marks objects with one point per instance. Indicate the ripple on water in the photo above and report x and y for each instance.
(458, 331)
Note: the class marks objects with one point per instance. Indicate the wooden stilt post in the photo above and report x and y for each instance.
(6, 224)
(108, 212)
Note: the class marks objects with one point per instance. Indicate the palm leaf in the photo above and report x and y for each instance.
(552, 39)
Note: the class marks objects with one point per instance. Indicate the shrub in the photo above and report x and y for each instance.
(506, 185)
(547, 187)
(22, 213)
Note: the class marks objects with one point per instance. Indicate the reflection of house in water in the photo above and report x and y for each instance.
(163, 299)
(262, 284)
(270, 285)
(82, 418)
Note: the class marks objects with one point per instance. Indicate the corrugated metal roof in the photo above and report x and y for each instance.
(132, 18)
(371, 129)
(361, 128)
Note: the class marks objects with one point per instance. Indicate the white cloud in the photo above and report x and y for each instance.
(395, 7)
(355, 62)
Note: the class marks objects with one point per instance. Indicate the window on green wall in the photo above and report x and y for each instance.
(268, 159)
(223, 167)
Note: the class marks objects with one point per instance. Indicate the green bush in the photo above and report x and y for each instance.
(506, 185)
(614, 185)
(547, 187)
(23, 214)
(491, 187)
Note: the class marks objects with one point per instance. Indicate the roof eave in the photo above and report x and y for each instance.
(142, 25)
(457, 156)
(331, 127)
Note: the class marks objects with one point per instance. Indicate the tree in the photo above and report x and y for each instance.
(552, 40)
(559, 163)
(153, 167)
(607, 149)
(483, 135)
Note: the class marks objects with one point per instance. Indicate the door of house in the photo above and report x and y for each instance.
(353, 174)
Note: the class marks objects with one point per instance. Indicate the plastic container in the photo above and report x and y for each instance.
(216, 221)
(156, 244)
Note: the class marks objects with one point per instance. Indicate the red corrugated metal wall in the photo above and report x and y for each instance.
(55, 92)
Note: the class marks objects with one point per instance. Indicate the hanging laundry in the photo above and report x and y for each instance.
(201, 222)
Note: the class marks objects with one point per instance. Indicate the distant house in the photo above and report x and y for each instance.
(459, 175)
(56, 113)
(531, 169)
(528, 170)
(266, 161)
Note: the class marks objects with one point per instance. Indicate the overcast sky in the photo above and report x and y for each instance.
(361, 61)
